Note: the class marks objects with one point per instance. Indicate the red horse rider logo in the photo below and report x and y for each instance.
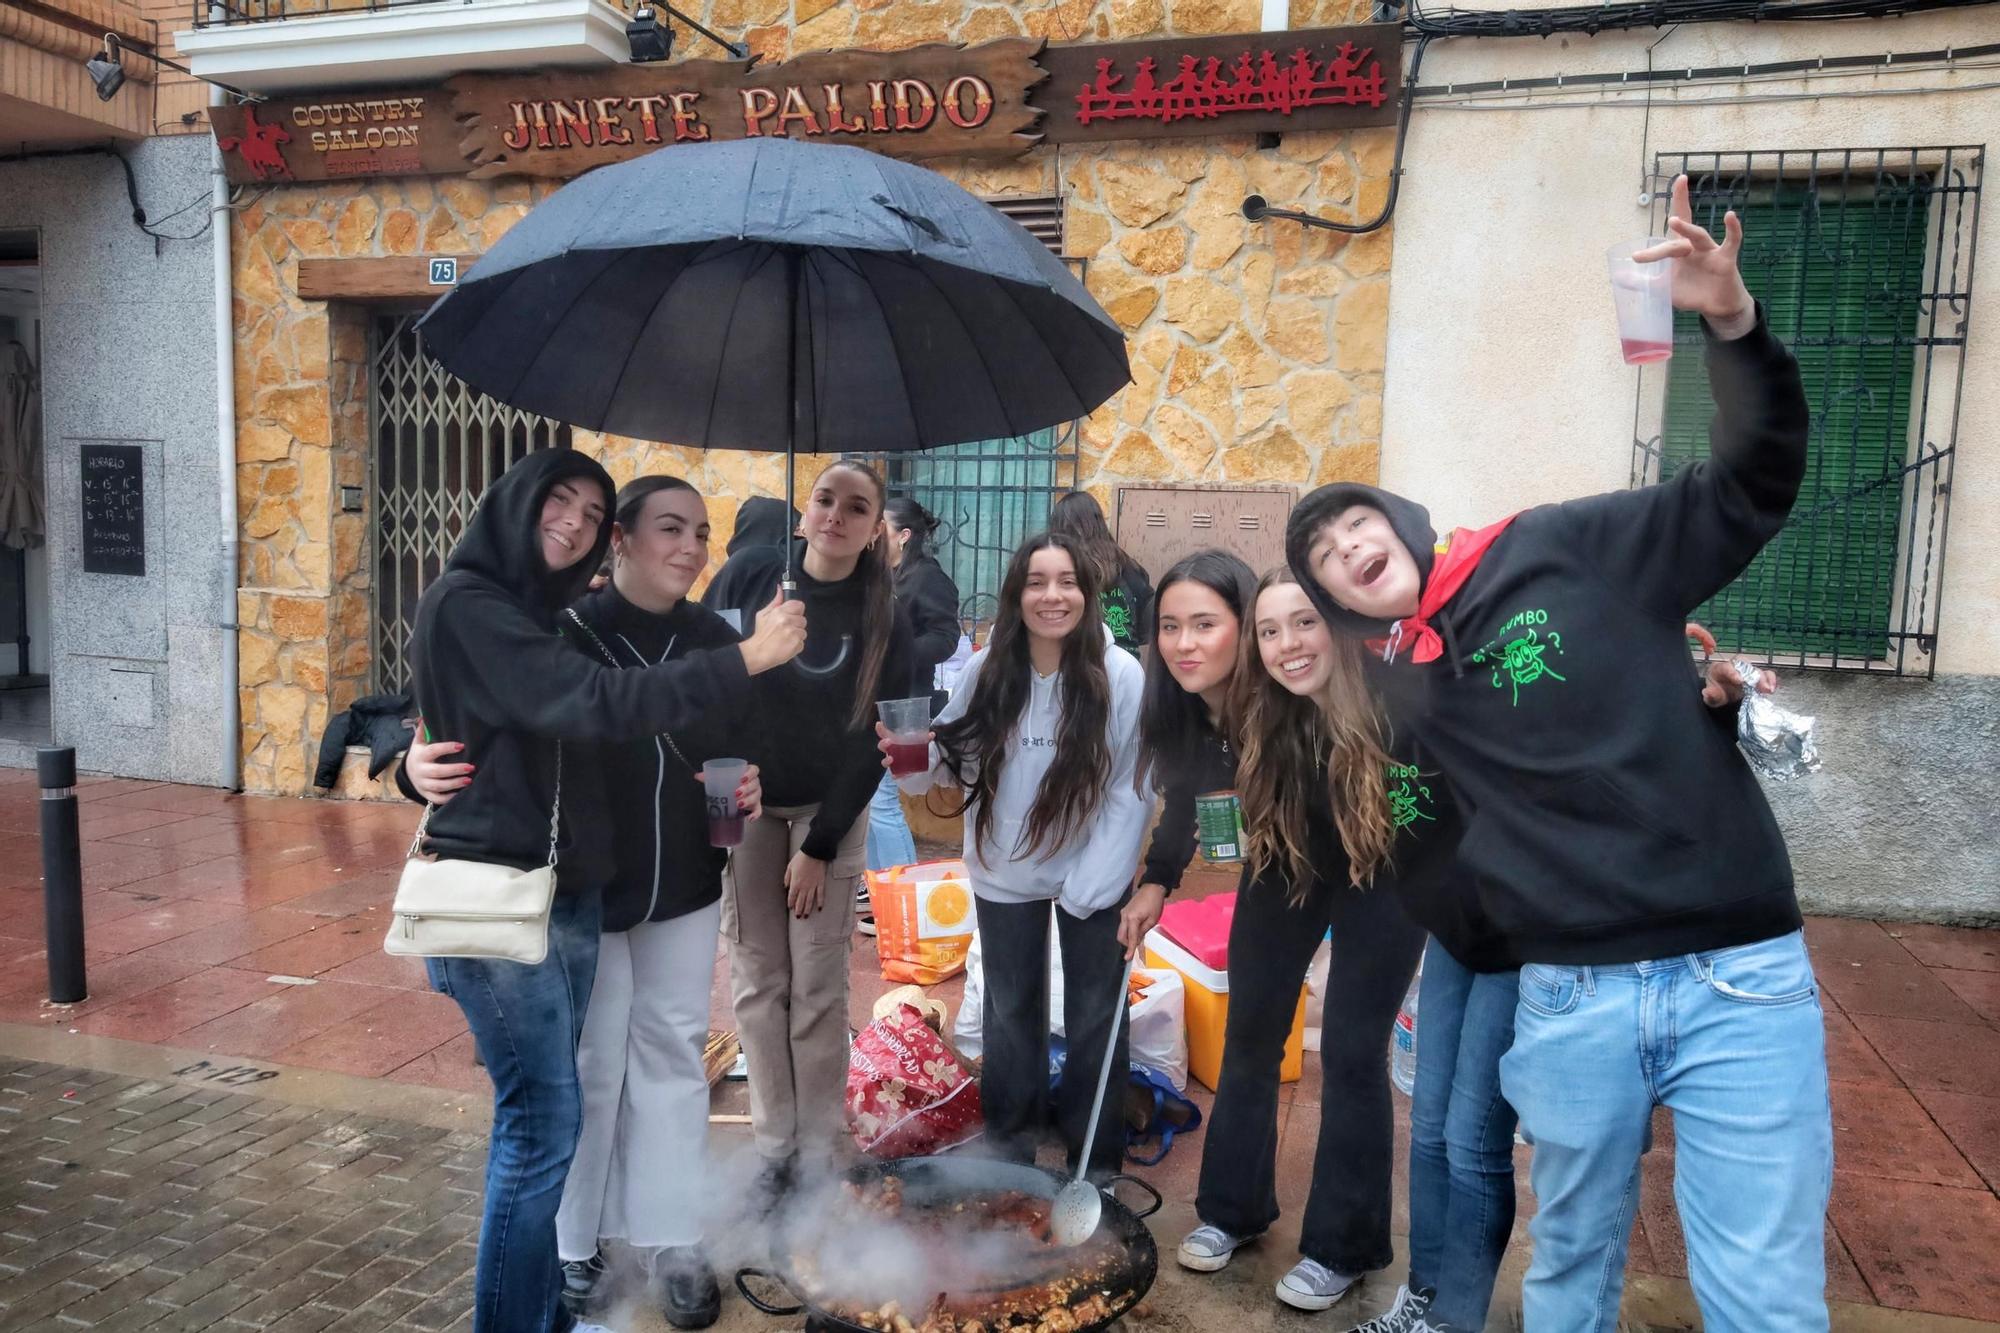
(258, 146)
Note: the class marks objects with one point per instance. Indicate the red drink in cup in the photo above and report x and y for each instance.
(721, 778)
(908, 722)
(1643, 296)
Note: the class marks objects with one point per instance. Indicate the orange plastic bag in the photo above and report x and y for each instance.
(923, 920)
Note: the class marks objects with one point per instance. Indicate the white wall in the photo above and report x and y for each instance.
(1504, 384)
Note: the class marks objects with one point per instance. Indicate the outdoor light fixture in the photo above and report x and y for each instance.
(107, 70)
(652, 40)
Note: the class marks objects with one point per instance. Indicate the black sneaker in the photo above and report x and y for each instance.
(690, 1297)
(581, 1278)
(774, 1180)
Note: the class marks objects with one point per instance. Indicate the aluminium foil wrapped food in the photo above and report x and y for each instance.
(1779, 743)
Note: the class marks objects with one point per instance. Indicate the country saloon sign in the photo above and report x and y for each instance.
(996, 99)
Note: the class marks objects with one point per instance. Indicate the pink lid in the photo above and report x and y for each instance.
(1201, 926)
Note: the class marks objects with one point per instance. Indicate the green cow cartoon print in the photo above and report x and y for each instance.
(1520, 655)
(1408, 796)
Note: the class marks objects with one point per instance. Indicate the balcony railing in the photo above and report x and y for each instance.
(231, 12)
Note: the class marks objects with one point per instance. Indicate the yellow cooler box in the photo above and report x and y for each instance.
(1208, 1013)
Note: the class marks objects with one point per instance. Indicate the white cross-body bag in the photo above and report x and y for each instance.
(470, 909)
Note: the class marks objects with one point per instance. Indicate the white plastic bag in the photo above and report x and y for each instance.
(1158, 1021)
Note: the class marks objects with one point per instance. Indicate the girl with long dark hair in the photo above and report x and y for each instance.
(788, 897)
(1042, 738)
(1125, 590)
(493, 672)
(1284, 718)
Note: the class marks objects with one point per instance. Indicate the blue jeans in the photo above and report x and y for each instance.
(527, 1021)
(889, 840)
(1461, 1138)
(1732, 1043)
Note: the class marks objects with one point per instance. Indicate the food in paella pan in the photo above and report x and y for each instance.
(983, 1263)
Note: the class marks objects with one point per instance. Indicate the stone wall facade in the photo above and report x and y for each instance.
(1257, 349)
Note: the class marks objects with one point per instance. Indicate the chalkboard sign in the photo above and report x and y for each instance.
(114, 509)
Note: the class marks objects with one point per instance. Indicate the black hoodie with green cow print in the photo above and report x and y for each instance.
(1609, 818)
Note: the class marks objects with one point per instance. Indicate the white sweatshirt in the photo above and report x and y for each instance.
(1094, 870)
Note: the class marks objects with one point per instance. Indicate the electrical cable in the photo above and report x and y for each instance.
(1613, 17)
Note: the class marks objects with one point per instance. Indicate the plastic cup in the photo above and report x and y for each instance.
(908, 722)
(1643, 295)
(1218, 821)
(725, 817)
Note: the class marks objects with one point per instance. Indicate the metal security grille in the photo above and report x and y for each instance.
(987, 496)
(437, 443)
(1863, 259)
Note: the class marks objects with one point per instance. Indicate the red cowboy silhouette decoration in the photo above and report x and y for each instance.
(1201, 90)
(258, 146)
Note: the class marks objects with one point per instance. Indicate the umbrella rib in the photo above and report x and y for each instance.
(1007, 290)
(618, 383)
(979, 351)
(728, 326)
(896, 352)
(582, 290)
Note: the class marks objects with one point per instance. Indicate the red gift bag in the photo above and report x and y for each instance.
(907, 1094)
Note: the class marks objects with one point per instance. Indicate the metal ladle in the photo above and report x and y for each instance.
(1080, 1206)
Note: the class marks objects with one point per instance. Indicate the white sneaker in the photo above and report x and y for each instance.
(1405, 1316)
(1311, 1285)
(1208, 1249)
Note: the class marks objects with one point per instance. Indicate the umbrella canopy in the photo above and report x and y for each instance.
(767, 294)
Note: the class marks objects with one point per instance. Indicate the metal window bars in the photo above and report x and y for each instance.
(1864, 260)
(437, 444)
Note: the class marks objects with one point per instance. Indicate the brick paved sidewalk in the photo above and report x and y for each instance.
(130, 1203)
(247, 931)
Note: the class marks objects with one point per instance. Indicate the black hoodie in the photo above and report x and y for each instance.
(664, 866)
(490, 670)
(1609, 817)
(756, 561)
(932, 599)
(802, 740)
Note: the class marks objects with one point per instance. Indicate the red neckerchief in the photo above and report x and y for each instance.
(1453, 566)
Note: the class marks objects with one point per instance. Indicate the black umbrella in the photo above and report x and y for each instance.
(768, 294)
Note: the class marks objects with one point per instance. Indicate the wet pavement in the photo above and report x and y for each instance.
(237, 981)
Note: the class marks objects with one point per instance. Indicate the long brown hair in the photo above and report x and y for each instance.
(1078, 515)
(1288, 741)
(980, 742)
(878, 600)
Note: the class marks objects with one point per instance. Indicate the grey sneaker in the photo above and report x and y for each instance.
(1311, 1285)
(1405, 1316)
(1208, 1249)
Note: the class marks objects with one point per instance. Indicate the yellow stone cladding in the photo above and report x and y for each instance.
(1256, 349)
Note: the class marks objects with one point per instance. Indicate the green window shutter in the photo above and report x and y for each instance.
(1840, 275)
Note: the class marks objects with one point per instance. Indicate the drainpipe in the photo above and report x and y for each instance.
(225, 452)
(1277, 15)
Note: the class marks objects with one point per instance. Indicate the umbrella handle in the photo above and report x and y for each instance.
(839, 660)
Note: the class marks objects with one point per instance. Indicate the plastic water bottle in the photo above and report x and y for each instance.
(1403, 1053)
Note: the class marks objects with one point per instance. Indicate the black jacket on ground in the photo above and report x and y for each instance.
(491, 670)
(663, 866)
(375, 721)
(1609, 818)
(801, 739)
(932, 599)
(750, 575)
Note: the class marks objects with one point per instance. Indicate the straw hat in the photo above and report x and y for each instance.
(933, 1010)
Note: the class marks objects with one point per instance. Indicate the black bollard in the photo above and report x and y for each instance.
(62, 875)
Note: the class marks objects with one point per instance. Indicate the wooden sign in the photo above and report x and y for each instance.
(996, 99)
(929, 101)
(1318, 79)
(114, 509)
